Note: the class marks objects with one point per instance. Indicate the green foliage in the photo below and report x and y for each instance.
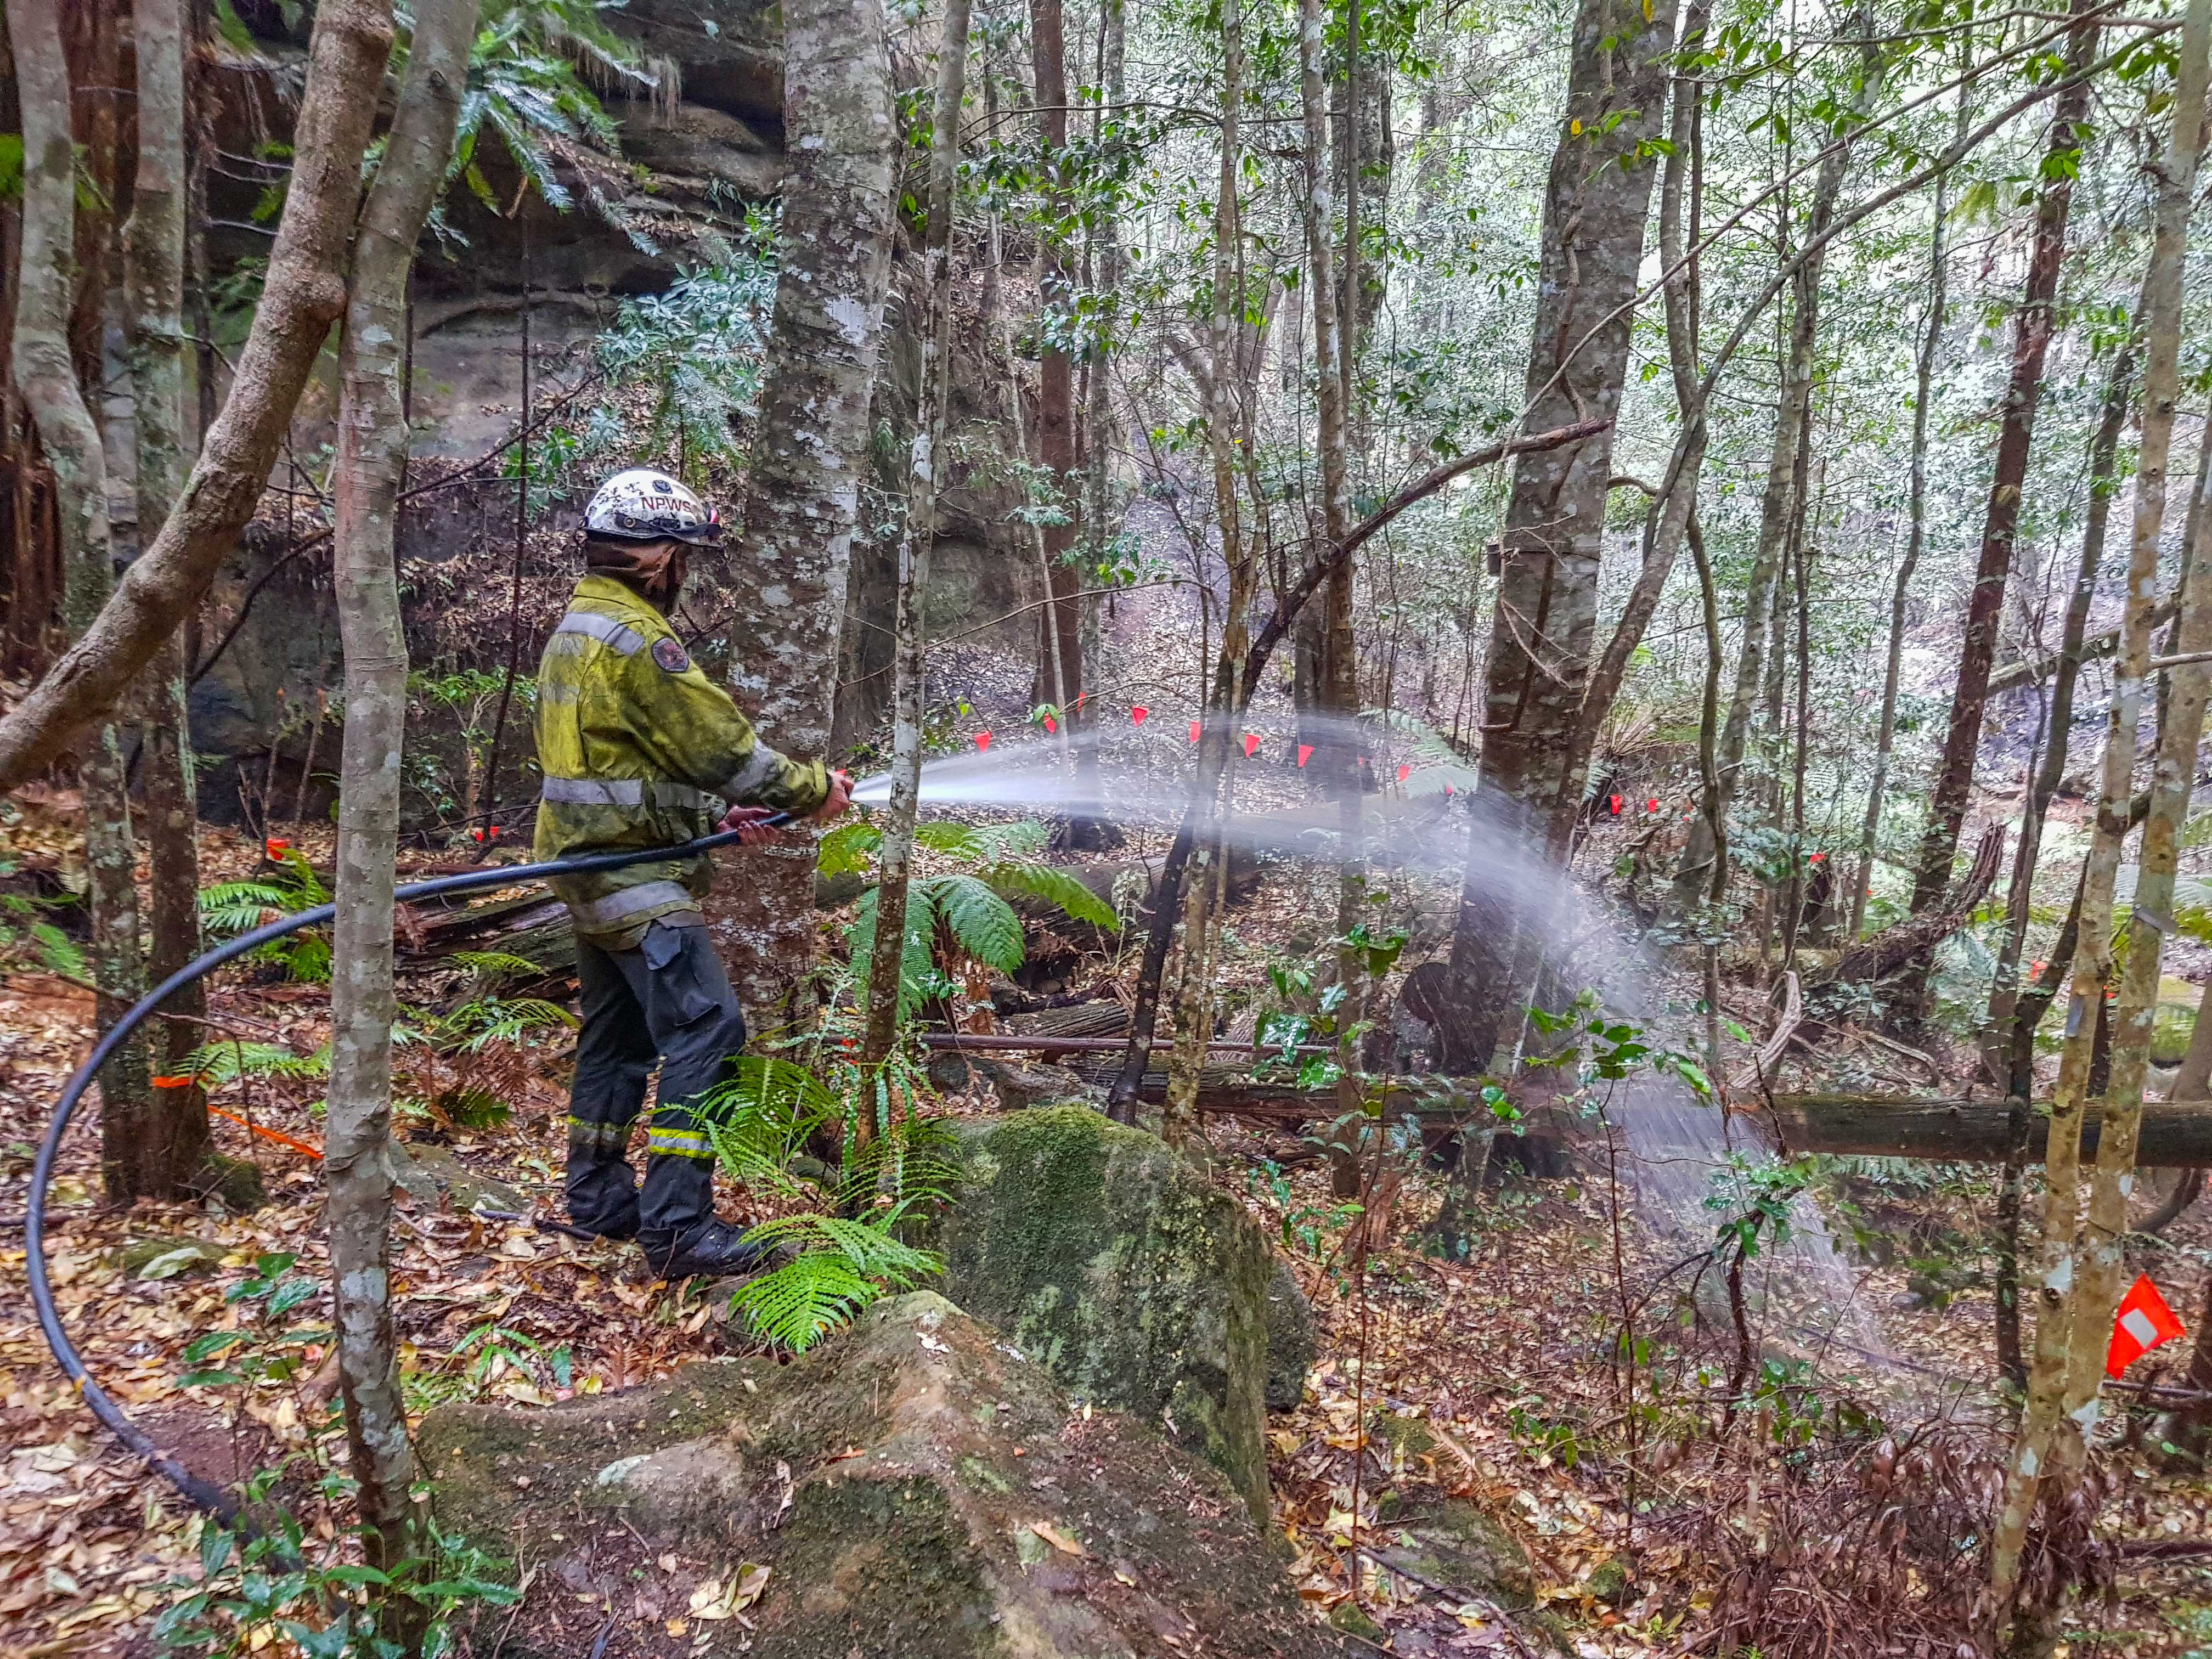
(845, 1243)
(228, 1060)
(277, 1580)
(231, 908)
(961, 914)
(698, 345)
(525, 89)
(1752, 1197)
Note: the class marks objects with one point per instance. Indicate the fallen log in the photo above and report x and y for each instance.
(2176, 1134)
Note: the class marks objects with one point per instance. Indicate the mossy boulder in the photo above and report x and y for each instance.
(1110, 1260)
(1465, 1548)
(1290, 1342)
(426, 1174)
(913, 1487)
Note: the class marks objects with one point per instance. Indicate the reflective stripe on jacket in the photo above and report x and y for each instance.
(641, 749)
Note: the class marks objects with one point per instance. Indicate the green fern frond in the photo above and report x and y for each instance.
(805, 1299)
(1054, 885)
(980, 922)
(231, 908)
(958, 840)
(495, 964)
(917, 968)
(217, 1063)
(847, 849)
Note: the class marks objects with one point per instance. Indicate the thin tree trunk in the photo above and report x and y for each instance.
(1698, 871)
(45, 378)
(915, 539)
(1931, 340)
(1596, 203)
(153, 274)
(1193, 1012)
(303, 295)
(2104, 449)
(358, 1161)
(2032, 326)
(786, 575)
(1094, 830)
(2061, 1296)
(1055, 375)
(1667, 523)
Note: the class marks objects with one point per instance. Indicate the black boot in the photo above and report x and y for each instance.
(713, 1249)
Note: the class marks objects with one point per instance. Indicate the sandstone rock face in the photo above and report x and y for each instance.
(1110, 1260)
(912, 1488)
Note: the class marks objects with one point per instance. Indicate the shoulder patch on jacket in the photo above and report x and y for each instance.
(670, 654)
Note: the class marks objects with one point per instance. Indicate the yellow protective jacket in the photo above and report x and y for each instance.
(641, 749)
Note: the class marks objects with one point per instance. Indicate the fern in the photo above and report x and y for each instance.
(980, 922)
(231, 908)
(847, 849)
(1054, 886)
(957, 841)
(805, 1299)
(217, 1063)
(918, 975)
(495, 964)
(758, 1124)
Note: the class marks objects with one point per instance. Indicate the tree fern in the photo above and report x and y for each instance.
(981, 924)
(231, 908)
(1054, 885)
(918, 975)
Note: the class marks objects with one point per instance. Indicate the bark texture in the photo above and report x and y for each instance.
(787, 576)
(1544, 622)
(45, 378)
(919, 532)
(153, 285)
(304, 294)
(359, 1162)
(2032, 328)
(2047, 1446)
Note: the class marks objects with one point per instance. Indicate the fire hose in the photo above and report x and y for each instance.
(112, 1416)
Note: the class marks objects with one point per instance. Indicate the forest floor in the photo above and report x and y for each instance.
(1842, 1495)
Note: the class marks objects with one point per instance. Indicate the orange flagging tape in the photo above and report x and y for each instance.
(277, 1135)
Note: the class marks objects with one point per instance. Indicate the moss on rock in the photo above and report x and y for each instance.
(914, 1487)
(1112, 1262)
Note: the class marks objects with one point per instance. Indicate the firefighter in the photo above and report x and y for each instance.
(639, 749)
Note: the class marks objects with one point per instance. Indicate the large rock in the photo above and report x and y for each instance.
(913, 1487)
(1112, 1262)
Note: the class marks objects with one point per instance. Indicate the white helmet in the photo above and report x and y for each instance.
(642, 504)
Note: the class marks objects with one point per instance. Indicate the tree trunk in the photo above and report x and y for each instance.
(916, 536)
(45, 377)
(303, 295)
(154, 275)
(1193, 1010)
(1668, 523)
(1057, 380)
(1931, 340)
(358, 1160)
(2044, 1443)
(1700, 875)
(787, 576)
(1595, 204)
(2104, 449)
(2031, 330)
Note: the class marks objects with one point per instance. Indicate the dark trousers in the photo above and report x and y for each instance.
(667, 999)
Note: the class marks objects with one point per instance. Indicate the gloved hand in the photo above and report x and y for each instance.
(838, 798)
(747, 821)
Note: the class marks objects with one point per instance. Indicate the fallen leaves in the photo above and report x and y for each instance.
(1059, 1540)
(728, 1595)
